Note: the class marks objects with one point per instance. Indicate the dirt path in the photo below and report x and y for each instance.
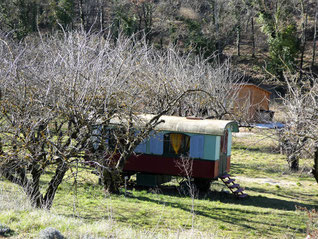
(280, 182)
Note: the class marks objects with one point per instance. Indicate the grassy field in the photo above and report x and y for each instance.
(271, 211)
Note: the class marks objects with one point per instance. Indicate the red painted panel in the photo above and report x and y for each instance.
(169, 166)
(228, 166)
(216, 168)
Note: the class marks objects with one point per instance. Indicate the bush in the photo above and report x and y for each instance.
(284, 49)
(5, 231)
(50, 233)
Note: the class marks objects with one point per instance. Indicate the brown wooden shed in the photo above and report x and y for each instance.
(253, 103)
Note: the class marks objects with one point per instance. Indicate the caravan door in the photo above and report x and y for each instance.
(223, 153)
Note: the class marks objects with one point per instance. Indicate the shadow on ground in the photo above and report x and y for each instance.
(225, 197)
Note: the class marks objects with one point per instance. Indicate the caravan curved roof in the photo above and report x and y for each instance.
(185, 124)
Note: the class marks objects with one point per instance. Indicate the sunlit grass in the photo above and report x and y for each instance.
(269, 212)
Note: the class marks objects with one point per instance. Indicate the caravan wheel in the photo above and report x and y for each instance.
(203, 184)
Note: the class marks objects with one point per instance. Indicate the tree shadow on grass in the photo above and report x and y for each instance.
(225, 197)
(288, 194)
(229, 211)
(273, 203)
(240, 217)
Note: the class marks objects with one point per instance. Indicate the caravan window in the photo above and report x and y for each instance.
(176, 144)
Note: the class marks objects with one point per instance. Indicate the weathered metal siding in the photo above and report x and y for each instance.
(252, 99)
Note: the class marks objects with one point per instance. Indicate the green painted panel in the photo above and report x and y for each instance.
(152, 180)
(217, 147)
(212, 147)
(229, 142)
(233, 126)
(209, 142)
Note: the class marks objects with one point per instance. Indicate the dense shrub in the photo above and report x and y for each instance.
(50, 233)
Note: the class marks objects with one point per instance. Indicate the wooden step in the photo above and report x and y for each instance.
(235, 185)
(225, 176)
(238, 190)
(231, 180)
(243, 195)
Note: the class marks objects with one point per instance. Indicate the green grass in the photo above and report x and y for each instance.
(269, 212)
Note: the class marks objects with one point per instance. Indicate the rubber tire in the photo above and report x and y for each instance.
(202, 184)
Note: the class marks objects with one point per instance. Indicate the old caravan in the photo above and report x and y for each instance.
(207, 142)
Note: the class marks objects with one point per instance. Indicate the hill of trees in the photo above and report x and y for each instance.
(267, 37)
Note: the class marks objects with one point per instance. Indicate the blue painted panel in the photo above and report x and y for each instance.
(96, 136)
(156, 144)
(197, 146)
(142, 147)
(107, 141)
(229, 142)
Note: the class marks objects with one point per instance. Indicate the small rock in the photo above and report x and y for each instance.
(4, 230)
(87, 236)
(50, 233)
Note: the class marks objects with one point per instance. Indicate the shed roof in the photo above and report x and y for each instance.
(255, 86)
(185, 124)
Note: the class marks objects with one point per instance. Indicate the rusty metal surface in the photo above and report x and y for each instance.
(183, 124)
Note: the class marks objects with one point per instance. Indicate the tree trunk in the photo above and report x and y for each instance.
(315, 168)
(109, 13)
(303, 37)
(238, 12)
(293, 162)
(101, 15)
(147, 11)
(112, 171)
(238, 39)
(81, 12)
(111, 180)
(54, 184)
(1, 147)
(253, 37)
(315, 37)
(33, 189)
(217, 30)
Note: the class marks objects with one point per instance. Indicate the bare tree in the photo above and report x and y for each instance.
(56, 90)
(300, 132)
(49, 102)
(214, 84)
(53, 93)
(185, 165)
